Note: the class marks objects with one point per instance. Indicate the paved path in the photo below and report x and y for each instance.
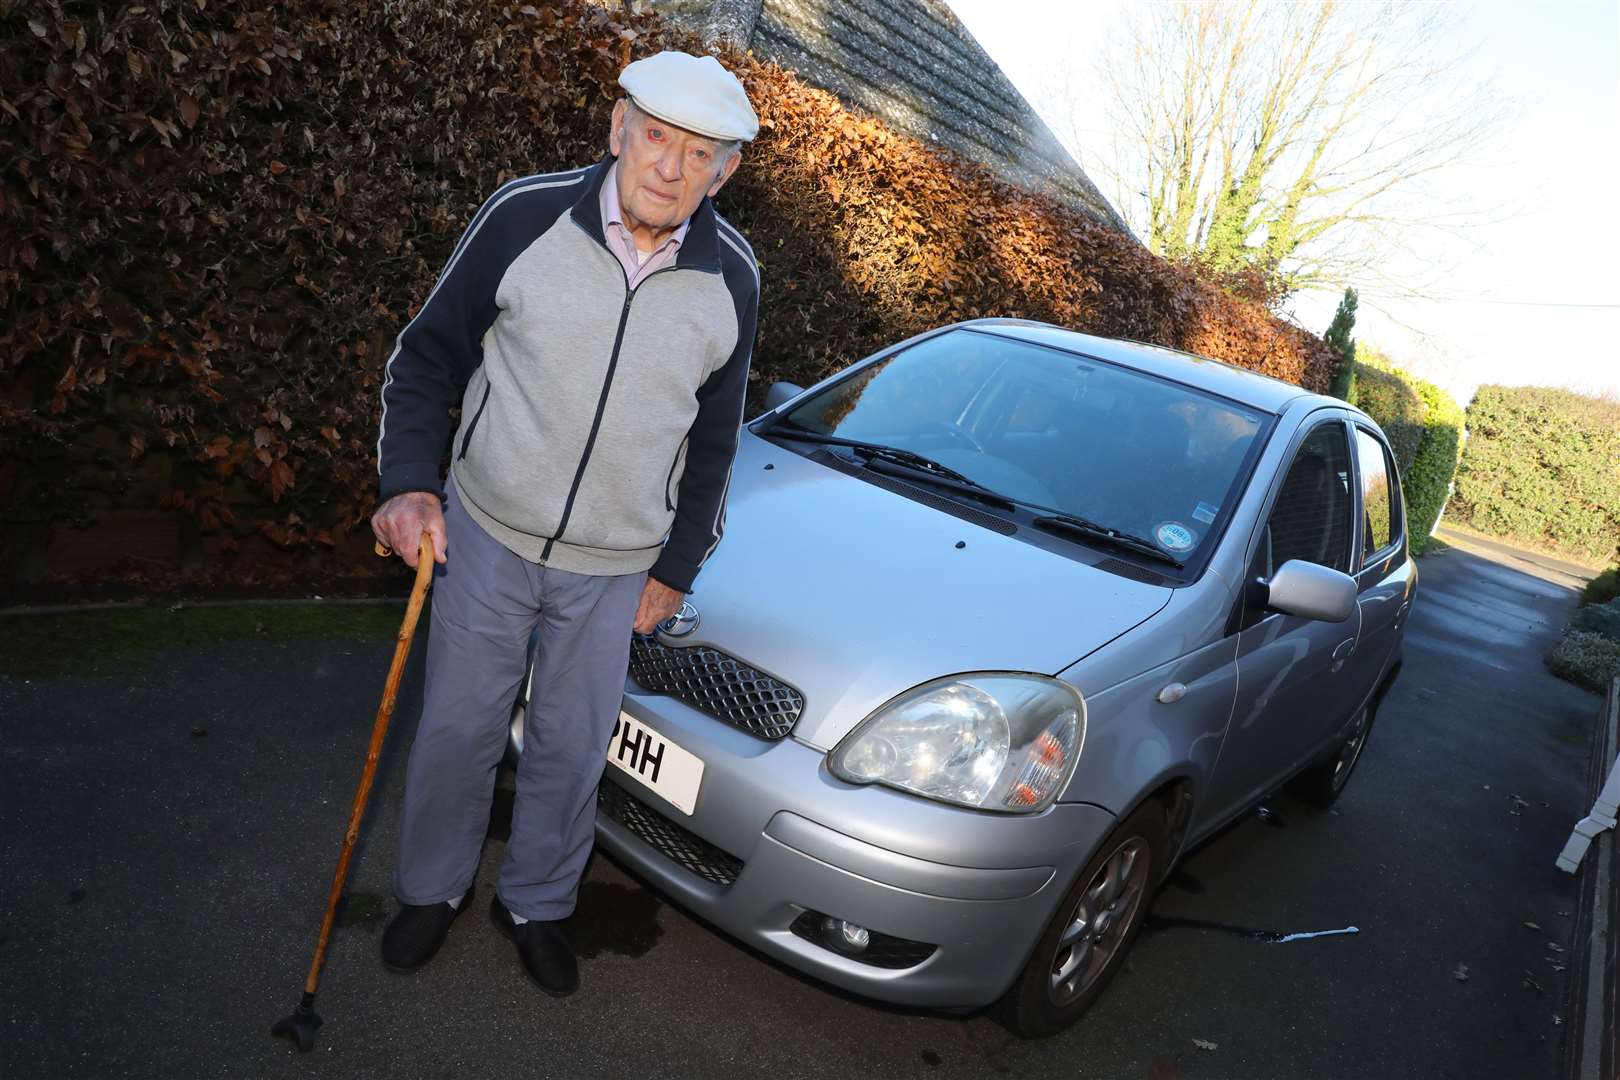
(168, 838)
(1535, 563)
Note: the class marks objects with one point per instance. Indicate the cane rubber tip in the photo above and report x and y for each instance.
(299, 1027)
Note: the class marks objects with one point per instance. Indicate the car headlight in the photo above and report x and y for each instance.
(990, 741)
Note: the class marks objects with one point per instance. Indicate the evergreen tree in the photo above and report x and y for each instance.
(1338, 336)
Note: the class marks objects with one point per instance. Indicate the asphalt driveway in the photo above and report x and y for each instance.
(169, 826)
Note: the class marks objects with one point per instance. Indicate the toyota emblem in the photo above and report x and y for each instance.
(681, 623)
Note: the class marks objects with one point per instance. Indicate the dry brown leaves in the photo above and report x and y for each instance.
(214, 218)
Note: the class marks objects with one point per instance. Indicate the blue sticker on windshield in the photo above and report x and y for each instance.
(1206, 513)
(1174, 536)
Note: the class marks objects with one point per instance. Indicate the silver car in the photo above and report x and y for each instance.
(1005, 620)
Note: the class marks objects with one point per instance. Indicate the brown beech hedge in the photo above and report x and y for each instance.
(215, 216)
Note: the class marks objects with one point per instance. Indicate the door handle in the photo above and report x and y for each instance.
(1346, 647)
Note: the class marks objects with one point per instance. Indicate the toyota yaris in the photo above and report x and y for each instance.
(1006, 618)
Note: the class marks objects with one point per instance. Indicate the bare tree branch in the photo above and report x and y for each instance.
(1297, 138)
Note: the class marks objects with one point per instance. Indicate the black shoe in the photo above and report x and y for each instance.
(545, 952)
(416, 933)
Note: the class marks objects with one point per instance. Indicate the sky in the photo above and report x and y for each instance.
(1531, 295)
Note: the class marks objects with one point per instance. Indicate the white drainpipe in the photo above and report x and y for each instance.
(1602, 817)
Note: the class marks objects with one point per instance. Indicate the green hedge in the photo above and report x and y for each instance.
(1586, 659)
(1424, 425)
(1428, 483)
(1542, 466)
(1599, 619)
(1604, 587)
(1389, 397)
(1589, 653)
(216, 217)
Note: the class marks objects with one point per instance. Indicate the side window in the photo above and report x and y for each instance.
(1311, 518)
(1380, 502)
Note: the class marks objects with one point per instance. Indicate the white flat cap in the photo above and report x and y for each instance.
(693, 92)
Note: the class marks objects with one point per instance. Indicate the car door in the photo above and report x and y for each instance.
(1292, 689)
(1385, 575)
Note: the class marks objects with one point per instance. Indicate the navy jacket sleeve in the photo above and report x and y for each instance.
(700, 515)
(436, 354)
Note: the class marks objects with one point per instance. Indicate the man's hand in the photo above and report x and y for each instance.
(400, 522)
(658, 602)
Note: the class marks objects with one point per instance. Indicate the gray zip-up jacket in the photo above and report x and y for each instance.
(598, 423)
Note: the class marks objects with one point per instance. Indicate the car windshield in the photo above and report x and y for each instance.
(1057, 432)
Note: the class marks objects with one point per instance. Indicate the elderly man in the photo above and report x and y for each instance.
(596, 327)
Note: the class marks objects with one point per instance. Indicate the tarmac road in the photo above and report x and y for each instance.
(169, 837)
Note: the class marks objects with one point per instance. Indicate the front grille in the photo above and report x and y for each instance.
(677, 844)
(720, 685)
(882, 950)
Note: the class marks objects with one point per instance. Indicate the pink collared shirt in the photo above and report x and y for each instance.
(637, 263)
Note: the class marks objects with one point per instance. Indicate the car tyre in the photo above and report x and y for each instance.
(1323, 783)
(1085, 943)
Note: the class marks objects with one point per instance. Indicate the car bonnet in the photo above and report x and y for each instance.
(852, 594)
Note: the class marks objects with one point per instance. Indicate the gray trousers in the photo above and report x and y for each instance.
(486, 601)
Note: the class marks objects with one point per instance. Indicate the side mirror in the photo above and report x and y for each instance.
(1311, 592)
(780, 393)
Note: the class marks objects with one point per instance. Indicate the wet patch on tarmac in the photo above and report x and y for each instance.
(360, 909)
(931, 1059)
(612, 918)
(1155, 923)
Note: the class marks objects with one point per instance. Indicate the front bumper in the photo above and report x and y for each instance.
(979, 887)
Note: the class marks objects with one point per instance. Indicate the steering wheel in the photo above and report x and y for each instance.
(957, 431)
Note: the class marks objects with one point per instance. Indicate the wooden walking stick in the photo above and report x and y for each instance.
(301, 1025)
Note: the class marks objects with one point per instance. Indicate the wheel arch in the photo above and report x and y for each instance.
(1174, 791)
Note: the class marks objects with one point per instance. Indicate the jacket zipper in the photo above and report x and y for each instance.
(601, 403)
(607, 383)
(466, 440)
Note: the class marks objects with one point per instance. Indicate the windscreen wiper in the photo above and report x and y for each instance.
(878, 450)
(940, 479)
(1093, 531)
(917, 465)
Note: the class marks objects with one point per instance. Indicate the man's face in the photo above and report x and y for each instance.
(664, 170)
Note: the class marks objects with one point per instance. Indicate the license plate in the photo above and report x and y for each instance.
(656, 763)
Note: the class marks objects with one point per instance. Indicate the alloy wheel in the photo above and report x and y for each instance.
(1101, 920)
(1351, 750)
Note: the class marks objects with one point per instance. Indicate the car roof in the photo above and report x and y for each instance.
(1229, 381)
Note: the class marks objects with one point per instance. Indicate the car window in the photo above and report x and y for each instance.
(1145, 456)
(899, 394)
(1379, 500)
(1311, 518)
(1035, 412)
